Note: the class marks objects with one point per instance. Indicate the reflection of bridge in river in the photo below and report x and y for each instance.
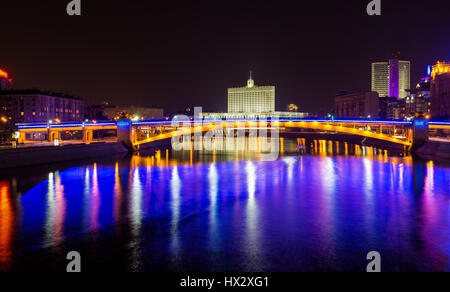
(137, 135)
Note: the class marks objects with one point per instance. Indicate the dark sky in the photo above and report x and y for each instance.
(174, 54)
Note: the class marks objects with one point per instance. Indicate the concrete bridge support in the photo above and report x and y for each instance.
(125, 134)
(88, 136)
(22, 138)
(420, 133)
(53, 135)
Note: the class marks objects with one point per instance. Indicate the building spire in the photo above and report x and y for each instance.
(250, 82)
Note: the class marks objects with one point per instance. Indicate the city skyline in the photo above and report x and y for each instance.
(225, 142)
(143, 65)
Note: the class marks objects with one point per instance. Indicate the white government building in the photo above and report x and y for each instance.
(252, 102)
(251, 99)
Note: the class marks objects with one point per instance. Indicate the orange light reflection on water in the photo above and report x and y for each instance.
(6, 224)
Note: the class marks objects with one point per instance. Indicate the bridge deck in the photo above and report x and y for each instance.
(375, 129)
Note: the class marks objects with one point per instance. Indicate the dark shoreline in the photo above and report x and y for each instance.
(434, 150)
(25, 157)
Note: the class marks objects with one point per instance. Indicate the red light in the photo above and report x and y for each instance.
(3, 74)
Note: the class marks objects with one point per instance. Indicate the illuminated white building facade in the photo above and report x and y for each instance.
(252, 102)
(392, 78)
(380, 78)
(234, 116)
(251, 99)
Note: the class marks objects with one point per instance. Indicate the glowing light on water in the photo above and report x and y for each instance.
(175, 191)
(6, 224)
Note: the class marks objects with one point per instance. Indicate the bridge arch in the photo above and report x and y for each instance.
(283, 127)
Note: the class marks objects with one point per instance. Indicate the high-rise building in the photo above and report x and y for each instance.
(404, 78)
(251, 99)
(380, 78)
(392, 78)
(440, 90)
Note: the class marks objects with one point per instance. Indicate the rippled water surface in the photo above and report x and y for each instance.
(319, 212)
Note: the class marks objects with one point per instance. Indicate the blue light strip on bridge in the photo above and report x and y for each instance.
(440, 123)
(348, 121)
(68, 125)
(20, 127)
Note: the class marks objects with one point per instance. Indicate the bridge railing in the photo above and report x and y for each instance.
(394, 131)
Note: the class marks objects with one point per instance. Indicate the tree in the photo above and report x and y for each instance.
(6, 131)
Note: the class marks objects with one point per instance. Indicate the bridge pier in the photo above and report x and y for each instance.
(22, 138)
(420, 134)
(125, 133)
(53, 135)
(88, 136)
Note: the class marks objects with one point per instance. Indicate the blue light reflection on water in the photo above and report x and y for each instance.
(297, 213)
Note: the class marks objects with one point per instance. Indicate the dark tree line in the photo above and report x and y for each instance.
(6, 132)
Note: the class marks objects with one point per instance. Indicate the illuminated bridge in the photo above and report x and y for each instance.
(137, 135)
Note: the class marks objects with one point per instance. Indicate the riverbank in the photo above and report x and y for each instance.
(439, 150)
(24, 157)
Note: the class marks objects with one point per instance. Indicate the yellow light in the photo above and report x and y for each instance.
(3, 74)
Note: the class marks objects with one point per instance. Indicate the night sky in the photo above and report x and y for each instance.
(177, 54)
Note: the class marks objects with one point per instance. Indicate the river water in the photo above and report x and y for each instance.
(188, 211)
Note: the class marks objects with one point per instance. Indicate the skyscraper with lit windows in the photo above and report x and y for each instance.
(380, 78)
(251, 99)
(392, 78)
